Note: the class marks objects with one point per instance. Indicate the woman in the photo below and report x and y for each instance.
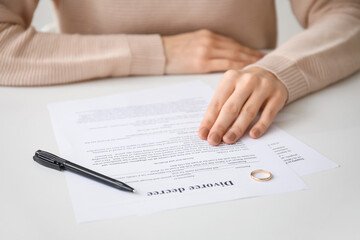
(112, 38)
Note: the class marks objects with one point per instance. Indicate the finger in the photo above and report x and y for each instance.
(222, 93)
(229, 112)
(229, 43)
(232, 54)
(247, 114)
(272, 107)
(222, 65)
(237, 46)
(250, 51)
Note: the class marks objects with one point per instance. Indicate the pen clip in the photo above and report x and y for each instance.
(49, 160)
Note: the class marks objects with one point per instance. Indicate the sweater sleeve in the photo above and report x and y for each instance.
(30, 58)
(326, 51)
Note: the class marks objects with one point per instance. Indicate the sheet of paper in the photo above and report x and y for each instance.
(148, 139)
(297, 155)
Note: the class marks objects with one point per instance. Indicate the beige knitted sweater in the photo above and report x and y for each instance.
(108, 38)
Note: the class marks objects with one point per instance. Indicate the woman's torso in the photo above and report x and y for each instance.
(252, 23)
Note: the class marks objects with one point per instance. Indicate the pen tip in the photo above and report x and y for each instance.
(133, 191)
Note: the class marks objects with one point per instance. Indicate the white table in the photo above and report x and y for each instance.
(35, 203)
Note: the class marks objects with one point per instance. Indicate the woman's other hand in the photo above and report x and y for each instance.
(204, 51)
(240, 96)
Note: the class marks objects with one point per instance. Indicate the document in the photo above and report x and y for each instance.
(298, 156)
(148, 139)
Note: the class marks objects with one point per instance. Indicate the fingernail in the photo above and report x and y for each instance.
(256, 133)
(215, 138)
(231, 136)
(204, 132)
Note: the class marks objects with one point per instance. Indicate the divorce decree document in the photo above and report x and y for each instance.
(148, 139)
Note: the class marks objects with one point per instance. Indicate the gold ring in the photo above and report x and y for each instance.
(264, 179)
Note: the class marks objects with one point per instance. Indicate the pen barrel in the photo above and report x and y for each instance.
(97, 176)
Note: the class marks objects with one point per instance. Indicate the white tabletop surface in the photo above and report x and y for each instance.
(35, 202)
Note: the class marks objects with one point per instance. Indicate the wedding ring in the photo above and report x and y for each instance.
(261, 179)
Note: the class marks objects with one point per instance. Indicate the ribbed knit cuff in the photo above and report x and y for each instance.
(286, 71)
(147, 55)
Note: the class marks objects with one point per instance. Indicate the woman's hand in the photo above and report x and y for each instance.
(204, 52)
(239, 98)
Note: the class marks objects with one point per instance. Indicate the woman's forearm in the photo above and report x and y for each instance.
(30, 58)
(327, 51)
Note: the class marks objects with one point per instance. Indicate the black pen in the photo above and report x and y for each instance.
(52, 161)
